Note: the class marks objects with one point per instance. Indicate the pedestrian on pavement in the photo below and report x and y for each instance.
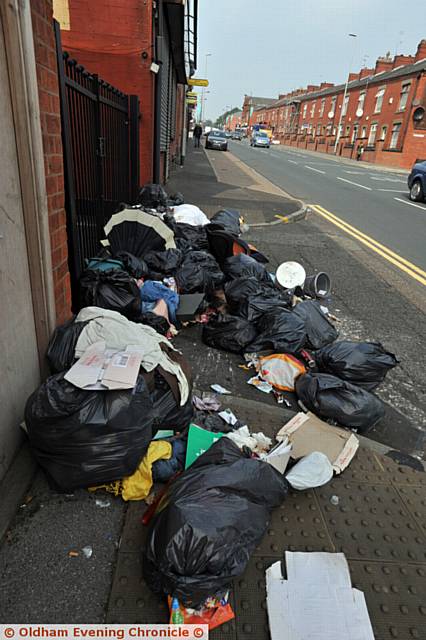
(197, 135)
(359, 151)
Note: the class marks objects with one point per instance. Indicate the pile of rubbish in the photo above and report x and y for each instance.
(118, 413)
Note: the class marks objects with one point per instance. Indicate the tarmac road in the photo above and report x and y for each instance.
(373, 201)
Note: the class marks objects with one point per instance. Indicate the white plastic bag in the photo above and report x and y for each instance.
(190, 214)
(313, 470)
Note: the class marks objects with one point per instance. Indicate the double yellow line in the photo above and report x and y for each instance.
(402, 264)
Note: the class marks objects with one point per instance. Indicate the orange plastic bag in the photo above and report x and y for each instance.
(213, 616)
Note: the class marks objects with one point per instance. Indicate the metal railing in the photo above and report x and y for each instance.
(100, 135)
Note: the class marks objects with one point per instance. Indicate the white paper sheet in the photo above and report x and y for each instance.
(317, 601)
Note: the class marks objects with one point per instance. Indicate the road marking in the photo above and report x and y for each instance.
(419, 206)
(292, 161)
(355, 183)
(313, 169)
(282, 218)
(391, 191)
(355, 173)
(388, 179)
(402, 264)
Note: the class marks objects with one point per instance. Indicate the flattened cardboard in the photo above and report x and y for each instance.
(307, 433)
(101, 369)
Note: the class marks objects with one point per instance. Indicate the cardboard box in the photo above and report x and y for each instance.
(307, 433)
(101, 369)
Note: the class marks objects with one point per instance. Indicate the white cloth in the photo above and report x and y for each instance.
(118, 333)
(190, 214)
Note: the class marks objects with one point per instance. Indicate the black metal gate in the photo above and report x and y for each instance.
(100, 135)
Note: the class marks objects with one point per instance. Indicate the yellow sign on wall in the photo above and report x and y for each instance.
(198, 82)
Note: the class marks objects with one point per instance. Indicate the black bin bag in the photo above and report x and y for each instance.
(229, 333)
(362, 363)
(199, 273)
(209, 523)
(61, 347)
(83, 438)
(113, 289)
(331, 398)
(280, 330)
(319, 330)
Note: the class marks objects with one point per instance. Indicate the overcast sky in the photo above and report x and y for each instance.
(271, 47)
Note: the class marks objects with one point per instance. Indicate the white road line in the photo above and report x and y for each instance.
(313, 169)
(391, 190)
(419, 206)
(292, 161)
(357, 173)
(388, 179)
(355, 183)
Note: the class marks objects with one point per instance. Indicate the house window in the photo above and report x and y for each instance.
(379, 100)
(305, 108)
(328, 129)
(348, 129)
(340, 130)
(318, 129)
(364, 132)
(333, 104)
(334, 131)
(404, 96)
(395, 135)
(322, 107)
(383, 133)
(313, 109)
(372, 136)
(345, 105)
(361, 100)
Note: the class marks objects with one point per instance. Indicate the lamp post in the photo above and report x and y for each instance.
(351, 35)
(203, 90)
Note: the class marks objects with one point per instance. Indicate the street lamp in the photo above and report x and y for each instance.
(339, 126)
(203, 90)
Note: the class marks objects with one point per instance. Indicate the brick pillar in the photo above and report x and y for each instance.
(50, 115)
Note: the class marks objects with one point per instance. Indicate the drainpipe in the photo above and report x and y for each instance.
(157, 98)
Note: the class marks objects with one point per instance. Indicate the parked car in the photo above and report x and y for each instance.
(228, 134)
(417, 182)
(217, 140)
(237, 135)
(260, 140)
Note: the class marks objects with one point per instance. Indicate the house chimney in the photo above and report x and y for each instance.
(421, 51)
(398, 61)
(311, 87)
(326, 85)
(365, 72)
(384, 63)
(352, 76)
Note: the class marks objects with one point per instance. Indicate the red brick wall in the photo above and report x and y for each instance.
(110, 38)
(47, 79)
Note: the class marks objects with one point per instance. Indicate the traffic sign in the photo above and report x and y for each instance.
(198, 82)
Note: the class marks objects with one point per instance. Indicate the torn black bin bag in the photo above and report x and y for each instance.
(209, 523)
(245, 266)
(165, 262)
(83, 438)
(113, 289)
(159, 323)
(280, 330)
(229, 333)
(61, 347)
(134, 266)
(319, 330)
(198, 273)
(362, 363)
(331, 398)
